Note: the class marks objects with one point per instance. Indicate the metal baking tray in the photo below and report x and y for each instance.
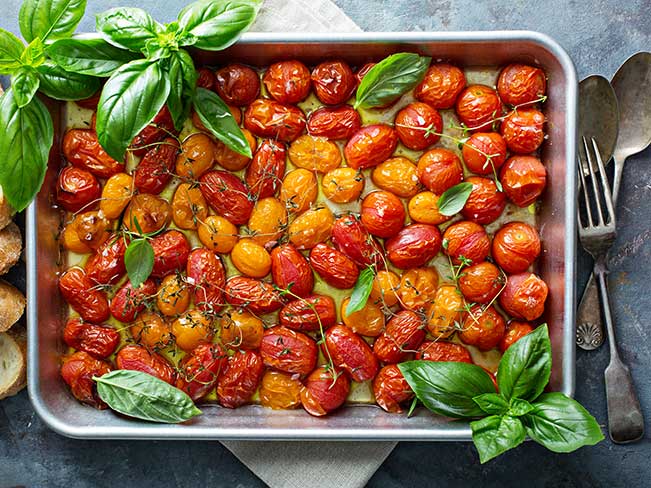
(46, 313)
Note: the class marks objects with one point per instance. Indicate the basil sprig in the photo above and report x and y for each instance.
(146, 397)
(361, 291)
(462, 390)
(453, 199)
(390, 79)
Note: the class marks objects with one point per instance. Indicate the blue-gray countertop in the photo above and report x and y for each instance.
(599, 35)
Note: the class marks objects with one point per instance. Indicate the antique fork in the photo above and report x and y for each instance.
(597, 234)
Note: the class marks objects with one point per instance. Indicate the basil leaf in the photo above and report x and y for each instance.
(216, 24)
(34, 54)
(561, 424)
(146, 397)
(131, 98)
(89, 56)
(11, 49)
(390, 79)
(453, 199)
(183, 79)
(361, 292)
(519, 407)
(496, 434)
(448, 388)
(26, 135)
(24, 85)
(525, 367)
(128, 28)
(492, 403)
(60, 84)
(139, 261)
(217, 117)
(50, 19)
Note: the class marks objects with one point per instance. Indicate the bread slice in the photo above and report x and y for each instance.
(12, 305)
(6, 212)
(11, 244)
(13, 362)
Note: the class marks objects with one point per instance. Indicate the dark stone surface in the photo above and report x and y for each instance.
(599, 35)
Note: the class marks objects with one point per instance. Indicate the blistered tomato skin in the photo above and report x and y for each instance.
(217, 234)
(468, 240)
(189, 207)
(397, 175)
(196, 157)
(391, 389)
(231, 160)
(78, 371)
(311, 227)
(82, 149)
(240, 378)
(199, 370)
(418, 288)
(151, 213)
(82, 295)
(237, 84)
(418, 126)
(324, 392)
(519, 84)
(151, 331)
(516, 246)
(315, 154)
(414, 245)
(205, 79)
(478, 147)
(385, 287)
(154, 171)
(351, 353)
(342, 185)
(524, 178)
(289, 351)
(287, 81)
(522, 130)
(441, 86)
(424, 209)
(171, 251)
(334, 123)
(99, 341)
(444, 313)
(351, 238)
(482, 327)
(159, 128)
(299, 190)
(257, 296)
(273, 120)
(106, 266)
(439, 169)
(514, 332)
(241, 330)
(361, 72)
(334, 267)
(291, 270)
(370, 145)
(137, 358)
(129, 301)
(227, 195)
(77, 189)
(485, 203)
(524, 296)
(71, 241)
(268, 221)
(92, 228)
(382, 213)
(369, 321)
(403, 334)
(251, 259)
(207, 278)
(116, 195)
(443, 351)
(481, 282)
(309, 314)
(478, 106)
(265, 173)
(333, 82)
(280, 391)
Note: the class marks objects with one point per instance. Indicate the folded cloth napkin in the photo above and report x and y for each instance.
(309, 464)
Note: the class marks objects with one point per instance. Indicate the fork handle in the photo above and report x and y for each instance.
(600, 272)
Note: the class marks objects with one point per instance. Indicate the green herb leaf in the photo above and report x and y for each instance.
(215, 24)
(11, 50)
(492, 403)
(495, 434)
(60, 84)
(131, 98)
(448, 388)
(561, 424)
(139, 261)
(24, 85)
(34, 54)
(26, 135)
(146, 397)
(91, 56)
(217, 117)
(361, 292)
(183, 79)
(126, 27)
(50, 19)
(453, 199)
(519, 407)
(390, 79)
(525, 367)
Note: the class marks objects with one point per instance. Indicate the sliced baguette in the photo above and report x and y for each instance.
(11, 244)
(5, 211)
(12, 305)
(13, 362)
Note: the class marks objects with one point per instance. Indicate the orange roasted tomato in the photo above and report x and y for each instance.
(251, 259)
(370, 145)
(78, 371)
(418, 126)
(241, 330)
(129, 301)
(280, 391)
(424, 209)
(519, 84)
(71, 241)
(441, 86)
(82, 149)
(382, 213)
(99, 341)
(116, 195)
(291, 270)
(351, 353)
(443, 351)
(92, 228)
(227, 195)
(274, 120)
(299, 190)
(207, 277)
(481, 282)
(151, 331)
(524, 178)
(444, 313)
(196, 157)
(311, 227)
(231, 160)
(351, 238)
(397, 175)
(171, 251)
(106, 266)
(334, 122)
(237, 84)
(391, 389)
(191, 329)
(287, 81)
(385, 288)
(325, 391)
(289, 351)
(264, 175)
(478, 106)
(137, 358)
(484, 153)
(343, 185)
(514, 332)
(466, 242)
(418, 288)
(524, 296)
(239, 380)
(334, 267)
(516, 246)
(189, 207)
(482, 327)
(522, 130)
(414, 246)
(160, 127)
(77, 189)
(82, 294)
(311, 313)
(147, 214)
(485, 203)
(256, 296)
(217, 234)
(268, 221)
(439, 169)
(403, 334)
(315, 154)
(199, 370)
(369, 321)
(154, 171)
(333, 82)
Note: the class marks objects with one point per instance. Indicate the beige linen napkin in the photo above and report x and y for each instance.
(309, 464)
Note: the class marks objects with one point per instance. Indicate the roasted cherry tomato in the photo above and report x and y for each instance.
(171, 251)
(251, 259)
(369, 321)
(289, 351)
(351, 238)
(207, 277)
(231, 160)
(71, 241)
(441, 86)
(524, 296)
(205, 79)
(299, 190)
(482, 327)
(199, 370)
(439, 169)
(351, 353)
(151, 331)
(92, 228)
(217, 234)
(154, 171)
(129, 301)
(189, 207)
(333, 82)
(116, 195)
(137, 358)
(311, 313)
(403, 335)
(424, 209)
(397, 175)
(514, 332)
(418, 288)
(391, 389)
(444, 312)
(334, 123)
(311, 227)
(268, 221)
(484, 153)
(106, 266)
(385, 287)
(196, 157)
(370, 145)
(522, 130)
(466, 242)
(78, 371)
(361, 72)
(82, 149)
(240, 378)
(524, 179)
(516, 246)
(414, 246)
(77, 189)
(99, 341)
(519, 84)
(481, 282)
(160, 127)
(82, 295)
(478, 106)
(325, 391)
(291, 270)
(342, 185)
(485, 203)
(241, 330)
(280, 391)
(382, 213)
(147, 214)
(237, 84)
(265, 173)
(444, 351)
(287, 81)
(227, 195)
(257, 296)
(418, 126)
(315, 154)
(334, 267)
(267, 118)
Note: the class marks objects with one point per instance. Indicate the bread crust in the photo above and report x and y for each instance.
(11, 244)
(12, 305)
(14, 379)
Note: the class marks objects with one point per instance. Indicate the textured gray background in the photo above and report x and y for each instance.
(599, 35)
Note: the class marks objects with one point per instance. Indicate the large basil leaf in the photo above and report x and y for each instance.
(361, 292)
(126, 27)
(454, 199)
(216, 24)
(217, 117)
(524, 369)
(390, 78)
(131, 98)
(91, 56)
(24, 85)
(492, 403)
(26, 136)
(496, 434)
(146, 397)
(60, 84)
(561, 424)
(183, 79)
(50, 19)
(11, 49)
(139, 261)
(448, 388)
(34, 54)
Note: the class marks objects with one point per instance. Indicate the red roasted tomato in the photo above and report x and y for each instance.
(240, 378)
(334, 123)
(478, 147)
(309, 313)
(99, 341)
(159, 128)
(154, 171)
(264, 175)
(171, 251)
(524, 178)
(256, 296)
(524, 296)
(481, 282)
(324, 391)
(77, 189)
(418, 126)
(83, 296)
(466, 241)
(514, 332)
(237, 84)
(519, 84)
(441, 86)
(482, 327)
(478, 106)
(485, 203)
(383, 213)
(391, 389)
(82, 149)
(522, 130)
(137, 358)
(403, 334)
(227, 195)
(291, 271)
(516, 246)
(414, 246)
(351, 238)
(287, 81)
(334, 267)
(443, 351)
(199, 370)
(370, 145)
(78, 371)
(267, 118)
(129, 301)
(205, 79)
(351, 353)
(439, 169)
(333, 82)
(289, 351)
(106, 266)
(207, 278)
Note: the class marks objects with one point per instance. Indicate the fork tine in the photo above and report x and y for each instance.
(586, 199)
(595, 183)
(608, 197)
